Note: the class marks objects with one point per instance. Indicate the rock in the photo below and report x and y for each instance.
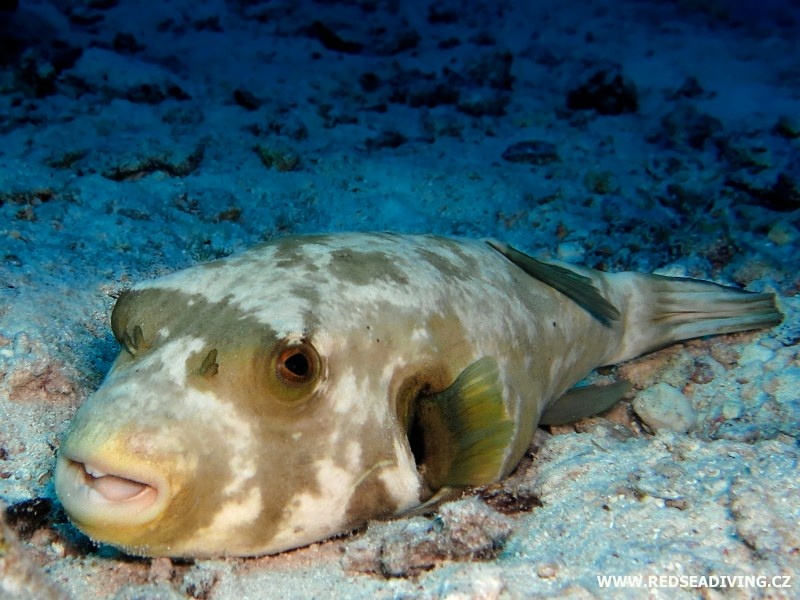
(532, 152)
(483, 102)
(784, 402)
(246, 99)
(607, 91)
(385, 139)
(331, 40)
(278, 156)
(782, 233)
(664, 407)
(755, 354)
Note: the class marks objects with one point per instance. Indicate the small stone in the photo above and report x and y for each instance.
(571, 252)
(731, 409)
(161, 570)
(755, 353)
(532, 152)
(483, 101)
(278, 157)
(664, 407)
(547, 570)
(246, 99)
(677, 503)
(199, 581)
(782, 233)
(782, 386)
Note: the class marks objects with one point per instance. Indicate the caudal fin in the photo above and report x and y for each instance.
(662, 310)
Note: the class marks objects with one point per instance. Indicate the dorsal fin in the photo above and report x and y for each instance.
(464, 430)
(575, 286)
(582, 402)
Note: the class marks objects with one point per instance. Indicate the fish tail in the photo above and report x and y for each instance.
(660, 310)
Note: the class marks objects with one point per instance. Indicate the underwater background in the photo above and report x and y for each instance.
(138, 137)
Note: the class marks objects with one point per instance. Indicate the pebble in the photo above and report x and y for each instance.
(664, 407)
(547, 570)
(782, 233)
(755, 353)
(571, 252)
(731, 409)
(783, 386)
(532, 152)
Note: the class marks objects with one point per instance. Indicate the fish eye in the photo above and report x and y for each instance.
(297, 364)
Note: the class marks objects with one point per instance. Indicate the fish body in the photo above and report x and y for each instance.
(297, 390)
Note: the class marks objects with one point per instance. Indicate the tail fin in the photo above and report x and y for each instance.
(661, 310)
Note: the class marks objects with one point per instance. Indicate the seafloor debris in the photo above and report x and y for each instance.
(144, 166)
(27, 516)
(532, 152)
(463, 530)
(19, 577)
(764, 519)
(278, 157)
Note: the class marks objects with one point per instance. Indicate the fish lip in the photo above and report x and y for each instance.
(76, 480)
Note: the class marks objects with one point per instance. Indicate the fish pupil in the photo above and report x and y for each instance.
(297, 364)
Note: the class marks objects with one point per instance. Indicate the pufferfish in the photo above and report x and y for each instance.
(293, 392)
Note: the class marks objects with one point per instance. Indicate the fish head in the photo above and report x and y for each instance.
(217, 433)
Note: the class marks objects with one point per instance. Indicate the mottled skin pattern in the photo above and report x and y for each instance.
(245, 464)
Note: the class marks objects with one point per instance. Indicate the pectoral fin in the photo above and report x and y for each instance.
(445, 494)
(463, 432)
(582, 402)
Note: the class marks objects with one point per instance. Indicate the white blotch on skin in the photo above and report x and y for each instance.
(236, 436)
(204, 408)
(323, 512)
(353, 456)
(389, 369)
(349, 393)
(173, 358)
(234, 513)
(420, 334)
(401, 479)
(216, 285)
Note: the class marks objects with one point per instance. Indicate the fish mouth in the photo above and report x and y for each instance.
(97, 494)
(113, 488)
